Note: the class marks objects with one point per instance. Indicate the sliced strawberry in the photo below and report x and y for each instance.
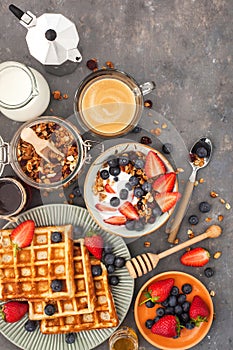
(127, 209)
(158, 291)
(22, 235)
(102, 207)
(109, 189)
(167, 200)
(165, 183)
(167, 326)
(94, 243)
(154, 165)
(199, 311)
(195, 257)
(116, 220)
(13, 311)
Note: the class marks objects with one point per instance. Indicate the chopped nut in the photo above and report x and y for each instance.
(156, 122)
(71, 195)
(148, 104)
(217, 255)
(228, 206)
(176, 241)
(109, 64)
(208, 219)
(220, 218)
(147, 244)
(57, 95)
(92, 64)
(201, 180)
(65, 96)
(196, 183)
(164, 126)
(213, 194)
(222, 201)
(157, 131)
(179, 170)
(212, 293)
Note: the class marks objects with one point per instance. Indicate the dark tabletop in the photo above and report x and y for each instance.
(186, 48)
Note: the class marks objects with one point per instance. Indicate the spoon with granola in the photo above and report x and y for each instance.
(200, 155)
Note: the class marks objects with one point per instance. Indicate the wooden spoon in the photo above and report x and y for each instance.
(141, 264)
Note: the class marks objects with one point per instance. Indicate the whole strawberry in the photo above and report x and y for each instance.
(158, 291)
(13, 311)
(94, 244)
(199, 311)
(22, 235)
(167, 326)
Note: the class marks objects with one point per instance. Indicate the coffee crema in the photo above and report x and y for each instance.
(108, 105)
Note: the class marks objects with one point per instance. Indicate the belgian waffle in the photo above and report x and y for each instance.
(103, 316)
(84, 297)
(28, 275)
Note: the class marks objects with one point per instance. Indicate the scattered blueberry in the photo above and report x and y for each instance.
(119, 261)
(209, 272)
(96, 270)
(108, 248)
(70, 338)
(201, 152)
(147, 187)
(167, 148)
(110, 268)
(174, 290)
(113, 162)
(160, 311)
(193, 220)
(137, 129)
(149, 323)
(178, 309)
(129, 225)
(146, 140)
(151, 220)
(169, 310)
(128, 186)
(116, 178)
(186, 288)
(190, 325)
(165, 303)
(104, 174)
(139, 163)
(56, 285)
(109, 259)
(156, 211)
(123, 160)
(56, 237)
(184, 317)
(114, 201)
(77, 191)
(138, 192)
(186, 306)
(30, 325)
(49, 309)
(114, 171)
(123, 193)
(204, 207)
(172, 300)
(139, 225)
(133, 180)
(113, 280)
(181, 298)
(149, 304)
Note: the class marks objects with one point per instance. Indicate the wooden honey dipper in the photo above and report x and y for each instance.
(141, 264)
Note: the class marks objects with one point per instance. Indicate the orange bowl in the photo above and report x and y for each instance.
(188, 338)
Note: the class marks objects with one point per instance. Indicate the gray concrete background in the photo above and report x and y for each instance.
(185, 46)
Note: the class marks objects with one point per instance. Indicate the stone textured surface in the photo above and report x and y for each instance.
(186, 48)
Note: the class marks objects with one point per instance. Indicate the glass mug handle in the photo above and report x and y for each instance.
(147, 87)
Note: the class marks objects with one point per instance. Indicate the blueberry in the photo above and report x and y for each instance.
(133, 180)
(167, 148)
(186, 288)
(186, 306)
(114, 201)
(138, 192)
(119, 261)
(139, 163)
(174, 290)
(129, 225)
(128, 186)
(137, 129)
(165, 303)
(184, 318)
(209, 272)
(110, 268)
(56, 237)
(201, 152)
(116, 178)
(156, 211)
(76, 191)
(172, 300)
(49, 309)
(30, 325)
(193, 220)
(149, 323)
(123, 193)
(104, 174)
(181, 299)
(151, 220)
(178, 309)
(204, 207)
(123, 160)
(113, 162)
(109, 259)
(146, 140)
(96, 270)
(147, 187)
(70, 338)
(149, 304)
(114, 171)
(139, 225)
(190, 325)
(108, 248)
(169, 310)
(160, 311)
(56, 285)
(113, 280)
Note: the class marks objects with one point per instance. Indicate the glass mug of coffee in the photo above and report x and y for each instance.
(110, 102)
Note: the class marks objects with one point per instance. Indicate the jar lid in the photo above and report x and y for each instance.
(3, 155)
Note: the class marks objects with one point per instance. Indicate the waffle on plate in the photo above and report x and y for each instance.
(29, 273)
(103, 316)
(84, 298)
